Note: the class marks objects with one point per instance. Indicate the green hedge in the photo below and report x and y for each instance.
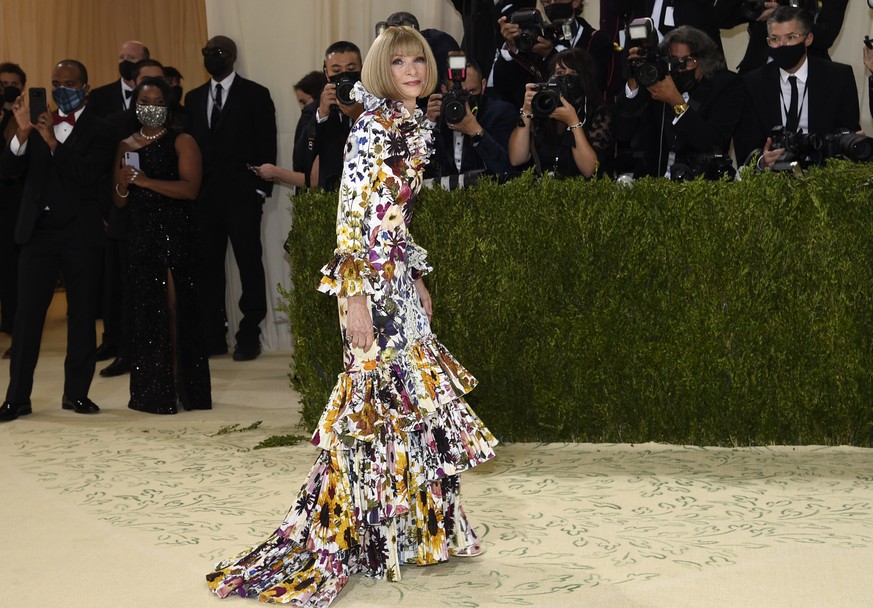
(709, 313)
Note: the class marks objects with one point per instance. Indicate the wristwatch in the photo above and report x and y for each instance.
(680, 108)
(475, 139)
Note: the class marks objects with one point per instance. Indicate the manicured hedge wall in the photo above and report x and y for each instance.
(709, 313)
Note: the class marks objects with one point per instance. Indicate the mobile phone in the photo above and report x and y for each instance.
(36, 102)
(868, 42)
(131, 159)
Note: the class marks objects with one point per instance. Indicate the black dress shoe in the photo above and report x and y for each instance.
(80, 406)
(118, 367)
(244, 352)
(11, 411)
(106, 352)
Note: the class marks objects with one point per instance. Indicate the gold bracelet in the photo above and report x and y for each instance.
(578, 125)
(119, 193)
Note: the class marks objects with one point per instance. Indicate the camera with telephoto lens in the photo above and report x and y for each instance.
(802, 148)
(857, 148)
(345, 82)
(708, 166)
(652, 64)
(530, 24)
(752, 9)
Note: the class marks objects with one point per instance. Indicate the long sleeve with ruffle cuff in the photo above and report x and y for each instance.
(347, 275)
(417, 259)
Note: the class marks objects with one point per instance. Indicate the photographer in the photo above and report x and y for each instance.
(473, 129)
(335, 113)
(687, 117)
(795, 92)
(527, 53)
(826, 25)
(575, 137)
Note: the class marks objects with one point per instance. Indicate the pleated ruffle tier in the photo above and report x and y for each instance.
(384, 491)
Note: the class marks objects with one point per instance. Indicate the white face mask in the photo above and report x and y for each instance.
(151, 116)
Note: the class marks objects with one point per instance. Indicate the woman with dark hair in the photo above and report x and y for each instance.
(309, 87)
(569, 134)
(157, 173)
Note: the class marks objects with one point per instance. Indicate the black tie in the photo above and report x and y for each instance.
(792, 120)
(216, 107)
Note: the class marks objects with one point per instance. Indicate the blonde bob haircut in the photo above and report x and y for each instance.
(376, 73)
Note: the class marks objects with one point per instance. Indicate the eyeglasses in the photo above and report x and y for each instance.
(207, 51)
(684, 63)
(789, 39)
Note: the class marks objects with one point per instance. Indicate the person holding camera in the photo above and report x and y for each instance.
(335, 113)
(795, 93)
(530, 46)
(687, 116)
(473, 129)
(564, 127)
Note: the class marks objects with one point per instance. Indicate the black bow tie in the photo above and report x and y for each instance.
(128, 93)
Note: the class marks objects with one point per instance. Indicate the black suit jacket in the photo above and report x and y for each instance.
(107, 100)
(715, 106)
(329, 147)
(82, 159)
(616, 14)
(832, 99)
(825, 30)
(245, 134)
(497, 119)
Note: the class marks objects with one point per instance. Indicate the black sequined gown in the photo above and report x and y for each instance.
(162, 235)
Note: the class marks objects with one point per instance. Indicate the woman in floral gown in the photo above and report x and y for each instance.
(396, 432)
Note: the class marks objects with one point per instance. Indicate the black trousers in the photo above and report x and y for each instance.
(239, 221)
(8, 262)
(116, 296)
(50, 252)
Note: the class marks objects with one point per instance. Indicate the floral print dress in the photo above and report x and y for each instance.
(396, 433)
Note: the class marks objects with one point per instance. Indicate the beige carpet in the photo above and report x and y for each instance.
(129, 510)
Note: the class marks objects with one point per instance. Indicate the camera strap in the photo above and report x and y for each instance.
(533, 149)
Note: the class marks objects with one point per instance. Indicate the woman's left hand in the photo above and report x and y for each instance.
(424, 296)
(132, 175)
(566, 113)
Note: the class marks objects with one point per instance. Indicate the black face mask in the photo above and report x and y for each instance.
(125, 68)
(685, 80)
(214, 64)
(10, 94)
(786, 57)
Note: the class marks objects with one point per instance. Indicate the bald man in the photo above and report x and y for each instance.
(115, 96)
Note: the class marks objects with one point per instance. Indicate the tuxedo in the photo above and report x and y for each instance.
(229, 205)
(60, 230)
(646, 132)
(497, 120)
(107, 100)
(831, 95)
